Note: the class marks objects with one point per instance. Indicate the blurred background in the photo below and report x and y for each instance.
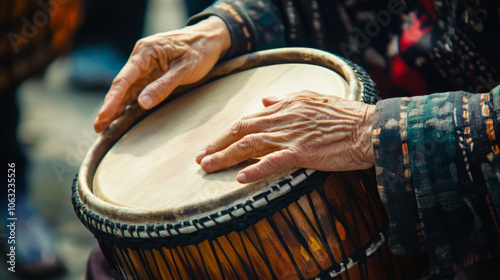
(57, 111)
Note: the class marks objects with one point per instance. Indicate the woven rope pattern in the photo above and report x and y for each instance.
(369, 94)
(123, 235)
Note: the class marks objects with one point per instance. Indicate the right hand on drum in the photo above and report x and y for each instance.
(305, 129)
(160, 63)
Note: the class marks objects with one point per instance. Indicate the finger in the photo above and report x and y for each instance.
(241, 128)
(118, 104)
(159, 89)
(268, 165)
(121, 93)
(109, 111)
(129, 74)
(254, 123)
(250, 146)
(101, 126)
(141, 68)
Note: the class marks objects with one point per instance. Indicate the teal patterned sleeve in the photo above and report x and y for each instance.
(438, 170)
(253, 24)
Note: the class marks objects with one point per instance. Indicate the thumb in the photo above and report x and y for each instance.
(159, 89)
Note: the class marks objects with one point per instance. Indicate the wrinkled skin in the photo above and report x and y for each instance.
(160, 63)
(305, 129)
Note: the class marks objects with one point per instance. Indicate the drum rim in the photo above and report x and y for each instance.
(103, 216)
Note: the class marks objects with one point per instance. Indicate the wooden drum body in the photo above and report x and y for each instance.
(157, 215)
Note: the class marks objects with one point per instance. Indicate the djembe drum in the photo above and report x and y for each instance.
(157, 215)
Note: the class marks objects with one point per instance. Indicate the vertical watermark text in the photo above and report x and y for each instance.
(11, 216)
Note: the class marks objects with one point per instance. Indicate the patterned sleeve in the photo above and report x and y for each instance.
(438, 170)
(253, 24)
(263, 24)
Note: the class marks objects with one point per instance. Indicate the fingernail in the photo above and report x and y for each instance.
(146, 101)
(201, 155)
(206, 161)
(241, 177)
(270, 100)
(271, 97)
(97, 125)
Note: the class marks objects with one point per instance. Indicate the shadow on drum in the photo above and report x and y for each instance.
(228, 174)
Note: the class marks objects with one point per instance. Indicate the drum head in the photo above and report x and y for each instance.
(152, 167)
(142, 169)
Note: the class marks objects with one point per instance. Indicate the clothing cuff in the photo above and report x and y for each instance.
(436, 157)
(252, 26)
(392, 165)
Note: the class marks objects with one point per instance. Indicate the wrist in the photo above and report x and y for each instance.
(215, 29)
(367, 134)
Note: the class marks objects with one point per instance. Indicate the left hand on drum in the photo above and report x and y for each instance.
(161, 62)
(305, 129)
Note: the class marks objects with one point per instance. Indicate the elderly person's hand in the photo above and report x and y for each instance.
(160, 63)
(305, 129)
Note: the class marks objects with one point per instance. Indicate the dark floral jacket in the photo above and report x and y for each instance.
(436, 149)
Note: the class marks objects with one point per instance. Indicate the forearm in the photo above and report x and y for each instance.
(436, 157)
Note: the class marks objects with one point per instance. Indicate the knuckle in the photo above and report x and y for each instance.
(139, 45)
(300, 95)
(137, 61)
(307, 96)
(117, 80)
(156, 73)
(295, 99)
(143, 42)
(247, 143)
(239, 127)
(276, 161)
(160, 87)
(257, 170)
(135, 91)
(305, 153)
(285, 104)
(186, 65)
(307, 148)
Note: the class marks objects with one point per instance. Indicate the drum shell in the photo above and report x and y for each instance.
(305, 240)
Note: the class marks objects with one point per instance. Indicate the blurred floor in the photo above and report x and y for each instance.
(56, 126)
